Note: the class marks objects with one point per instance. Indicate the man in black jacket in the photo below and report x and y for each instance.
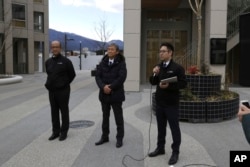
(60, 73)
(110, 77)
(167, 101)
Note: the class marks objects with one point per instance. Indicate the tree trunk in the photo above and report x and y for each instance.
(199, 44)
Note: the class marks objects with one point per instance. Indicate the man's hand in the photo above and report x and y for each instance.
(163, 85)
(107, 89)
(243, 110)
(156, 70)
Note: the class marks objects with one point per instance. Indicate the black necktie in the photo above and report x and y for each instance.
(110, 63)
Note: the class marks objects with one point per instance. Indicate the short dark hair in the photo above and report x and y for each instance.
(114, 45)
(168, 45)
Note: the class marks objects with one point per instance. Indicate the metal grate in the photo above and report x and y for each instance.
(81, 124)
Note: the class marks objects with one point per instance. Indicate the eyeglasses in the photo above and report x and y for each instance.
(163, 51)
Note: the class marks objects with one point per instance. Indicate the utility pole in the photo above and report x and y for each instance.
(80, 57)
(65, 43)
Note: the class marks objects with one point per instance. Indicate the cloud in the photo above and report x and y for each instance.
(77, 2)
(114, 6)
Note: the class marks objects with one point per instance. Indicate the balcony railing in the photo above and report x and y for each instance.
(235, 9)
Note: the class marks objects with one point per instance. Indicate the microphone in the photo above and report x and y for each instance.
(154, 73)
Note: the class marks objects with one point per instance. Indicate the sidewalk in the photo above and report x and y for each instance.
(25, 127)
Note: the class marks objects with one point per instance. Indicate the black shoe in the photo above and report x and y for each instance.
(157, 151)
(53, 136)
(101, 141)
(173, 159)
(62, 137)
(119, 143)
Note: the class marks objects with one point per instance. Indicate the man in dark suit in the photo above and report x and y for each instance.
(167, 101)
(60, 73)
(110, 77)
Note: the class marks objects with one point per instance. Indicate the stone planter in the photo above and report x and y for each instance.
(93, 72)
(204, 85)
(218, 111)
(192, 111)
(153, 105)
(4, 80)
(206, 111)
(209, 104)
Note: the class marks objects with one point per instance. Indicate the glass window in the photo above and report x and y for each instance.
(18, 15)
(1, 10)
(38, 21)
(20, 55)
(173, 16)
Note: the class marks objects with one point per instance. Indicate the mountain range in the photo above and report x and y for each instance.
(73, 41)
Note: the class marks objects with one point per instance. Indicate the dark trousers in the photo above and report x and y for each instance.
(59, 102)
(168, 114)
(118, 113)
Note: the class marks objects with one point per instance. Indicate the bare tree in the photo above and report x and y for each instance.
(196, 6)
(103, 32)
(6, 32)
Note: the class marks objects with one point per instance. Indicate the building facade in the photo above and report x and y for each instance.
(148, 23)
(23, 35)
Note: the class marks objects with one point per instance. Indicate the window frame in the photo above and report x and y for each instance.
(1, 10)
(18, 21)
(38, 24)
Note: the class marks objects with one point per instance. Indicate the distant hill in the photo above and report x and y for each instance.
(74, 42)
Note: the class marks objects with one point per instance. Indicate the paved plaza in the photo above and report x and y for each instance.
(25, 126)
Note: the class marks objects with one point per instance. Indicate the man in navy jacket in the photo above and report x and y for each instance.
(110, 77)
(60, 73)
(167, 101)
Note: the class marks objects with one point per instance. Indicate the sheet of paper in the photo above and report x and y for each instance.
(169, 80)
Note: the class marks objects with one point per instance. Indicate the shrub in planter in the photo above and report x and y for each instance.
(192, 108)
(204, 85)
(223, 106)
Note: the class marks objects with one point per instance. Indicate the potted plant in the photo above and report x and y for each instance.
(204, 101)
(222, 106)
(202, 82)
(191, 107)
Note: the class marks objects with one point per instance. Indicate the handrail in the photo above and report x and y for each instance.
(235, 9)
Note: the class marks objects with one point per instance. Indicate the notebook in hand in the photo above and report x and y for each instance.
(169, 80)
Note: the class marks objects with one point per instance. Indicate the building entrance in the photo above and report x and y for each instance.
(179, 39)
(20, 56)
(173, 26)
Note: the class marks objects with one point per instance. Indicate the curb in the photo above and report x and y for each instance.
(13, 79)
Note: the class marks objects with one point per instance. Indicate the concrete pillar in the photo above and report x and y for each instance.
(8, 38)
(215, 27)
(132, 43)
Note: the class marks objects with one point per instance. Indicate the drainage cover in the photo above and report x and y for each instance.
(81, 124)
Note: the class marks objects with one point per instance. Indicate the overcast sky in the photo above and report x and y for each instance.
(82, 16)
